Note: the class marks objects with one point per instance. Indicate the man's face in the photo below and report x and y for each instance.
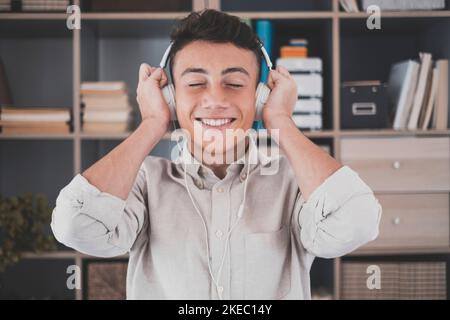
(215, 93)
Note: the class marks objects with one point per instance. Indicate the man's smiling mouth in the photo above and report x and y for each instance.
(216, 123)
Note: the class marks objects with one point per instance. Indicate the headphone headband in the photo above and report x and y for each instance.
(165, 57)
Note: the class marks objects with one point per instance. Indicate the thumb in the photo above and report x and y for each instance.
(274, 77)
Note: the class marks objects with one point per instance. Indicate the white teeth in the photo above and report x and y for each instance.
(216, 122)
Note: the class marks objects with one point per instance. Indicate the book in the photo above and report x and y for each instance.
(424, 72)
(293, 51)
(34, 114)
(426, 98)
(311, 64)
(401, 87)
(103, 85)
(308, 105)
(105, 127)
(298, 42)
(349, 5)
(431, 101)
(33, 110)
(103, 88)
(440, 116)
(308, 121)
(404, 5)
(308, 85)
(39, 124)
(62, 129)
(105, 101)
(107, 116)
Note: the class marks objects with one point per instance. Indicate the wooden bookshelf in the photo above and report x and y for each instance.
(91, 56)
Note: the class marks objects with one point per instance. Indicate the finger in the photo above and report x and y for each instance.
(159, 76)
(144, 71)
(283, 71)
(275, 76)
(164, 78)
(270, 81)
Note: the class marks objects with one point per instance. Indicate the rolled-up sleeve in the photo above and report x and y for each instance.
(341, 215)
(98, 223)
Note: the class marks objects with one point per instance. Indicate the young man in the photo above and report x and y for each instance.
(216, 230)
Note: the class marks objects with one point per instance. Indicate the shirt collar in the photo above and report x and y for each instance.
(257, 157)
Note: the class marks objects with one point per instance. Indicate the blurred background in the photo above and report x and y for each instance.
(373, 91)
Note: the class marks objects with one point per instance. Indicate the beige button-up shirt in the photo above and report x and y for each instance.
(270, 251)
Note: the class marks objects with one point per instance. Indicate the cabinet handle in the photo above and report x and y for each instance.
(396, 221)
(396, 165)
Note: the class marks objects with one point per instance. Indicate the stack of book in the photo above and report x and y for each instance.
(45, 5)
(34, 120)
(307, 72)
(105, 107)
(419, 93)
(5, 5)
(349, 5)
(297, 48)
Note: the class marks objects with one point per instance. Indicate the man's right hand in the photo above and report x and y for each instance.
(149, 95)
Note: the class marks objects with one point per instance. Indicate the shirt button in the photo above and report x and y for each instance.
(220, 289)
(219, 234)
(199, 184)
(219, 190)
(243, 176)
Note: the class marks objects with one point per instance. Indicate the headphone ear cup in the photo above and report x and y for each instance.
(262, 94)
(169, 95)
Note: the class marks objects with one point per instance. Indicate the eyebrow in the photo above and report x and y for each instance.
(235, 69)
(226, 71)
(194, 70)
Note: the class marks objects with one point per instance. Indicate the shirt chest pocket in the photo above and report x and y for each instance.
(268, 265)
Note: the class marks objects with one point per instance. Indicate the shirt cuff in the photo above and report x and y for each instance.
(343, 184)
(96, 204)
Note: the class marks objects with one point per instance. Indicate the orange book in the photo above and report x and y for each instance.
(293, 51)
(36, 130)
(103, 92)
(34, 124)
(21, 110)
(105, 127)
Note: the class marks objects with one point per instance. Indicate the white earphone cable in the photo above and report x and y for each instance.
(216, 280)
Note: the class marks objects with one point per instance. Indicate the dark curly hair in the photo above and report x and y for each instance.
(213, 26)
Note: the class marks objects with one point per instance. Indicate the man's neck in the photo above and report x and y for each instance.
(220, 169)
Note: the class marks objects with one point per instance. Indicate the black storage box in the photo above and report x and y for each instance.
(364, 105)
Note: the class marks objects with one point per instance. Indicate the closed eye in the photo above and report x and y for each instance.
(196, 84)
(235, 85)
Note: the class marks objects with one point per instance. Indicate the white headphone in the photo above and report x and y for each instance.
(262, 91)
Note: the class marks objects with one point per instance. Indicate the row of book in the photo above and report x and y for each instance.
(390, 5)
(419, 93)
(20, 120)
(34, 5)
(105, 107)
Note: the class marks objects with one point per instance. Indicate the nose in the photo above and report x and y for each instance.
(214, 97)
